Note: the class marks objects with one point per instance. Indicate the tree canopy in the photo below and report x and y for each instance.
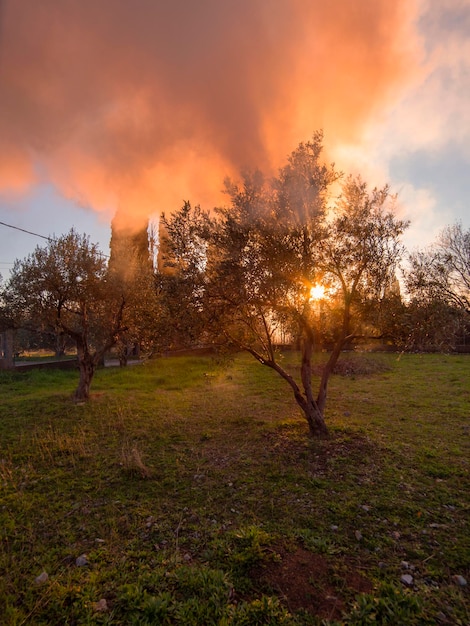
(437, 281)
(442, 272)
(256, 263)
(64, 287)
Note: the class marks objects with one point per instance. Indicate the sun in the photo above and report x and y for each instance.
(317, 292)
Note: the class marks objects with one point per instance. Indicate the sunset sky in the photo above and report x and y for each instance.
(124, 107)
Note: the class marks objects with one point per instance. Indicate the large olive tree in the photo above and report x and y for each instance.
(65, 287)
(261, 259)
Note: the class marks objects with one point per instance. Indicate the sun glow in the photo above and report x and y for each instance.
(317, 292)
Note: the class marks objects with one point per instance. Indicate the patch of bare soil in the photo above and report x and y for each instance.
(308, 581)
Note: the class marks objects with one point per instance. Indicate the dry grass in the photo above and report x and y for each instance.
(131, 460)
(56, 447)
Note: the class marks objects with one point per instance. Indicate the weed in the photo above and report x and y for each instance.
(131, 460)
(316, 543)
(6, 473)
(390, 605)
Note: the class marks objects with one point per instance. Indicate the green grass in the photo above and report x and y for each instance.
(192, 487)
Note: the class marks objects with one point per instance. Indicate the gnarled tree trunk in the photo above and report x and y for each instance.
(313, 412)
(87, 366)
(310, 407)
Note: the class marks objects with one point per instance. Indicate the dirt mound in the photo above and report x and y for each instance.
(306, 580)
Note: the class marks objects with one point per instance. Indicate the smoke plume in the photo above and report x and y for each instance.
(136, 106)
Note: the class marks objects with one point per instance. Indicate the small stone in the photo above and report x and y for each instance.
(334, 528)
(406, 565)
(396, 535)
(42, 578)
(407, 580)
(101, 606)
(459, 580)
(81, 561)
(365, 508)
(358, 535)
(97, 540)
(382, 565)
(187, 556)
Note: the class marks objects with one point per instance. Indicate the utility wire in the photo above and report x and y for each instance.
(23, 230)
(30, 232)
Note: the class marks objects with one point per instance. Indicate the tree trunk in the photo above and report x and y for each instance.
(88, 361)
(310, 407)
(313, 412)
(7, 361)
(86, 365)
(316, 421)
(59, 344)
(123, 353)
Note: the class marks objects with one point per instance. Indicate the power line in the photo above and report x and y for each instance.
(30, 232)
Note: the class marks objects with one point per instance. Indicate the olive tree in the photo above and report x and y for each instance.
(65, 287)
(267, 253)
(442, 272)
(437, 280)
(180, 279)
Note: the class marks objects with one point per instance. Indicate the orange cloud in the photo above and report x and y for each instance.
(137, 106)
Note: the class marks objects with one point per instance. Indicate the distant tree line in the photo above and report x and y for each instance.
(287, 260)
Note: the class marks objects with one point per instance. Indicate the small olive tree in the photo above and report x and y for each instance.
(442, 272)
(65, 287)
(437, 281)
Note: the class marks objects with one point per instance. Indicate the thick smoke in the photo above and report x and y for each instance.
(136, 106)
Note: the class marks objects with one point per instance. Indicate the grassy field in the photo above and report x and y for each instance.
(188, 492)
